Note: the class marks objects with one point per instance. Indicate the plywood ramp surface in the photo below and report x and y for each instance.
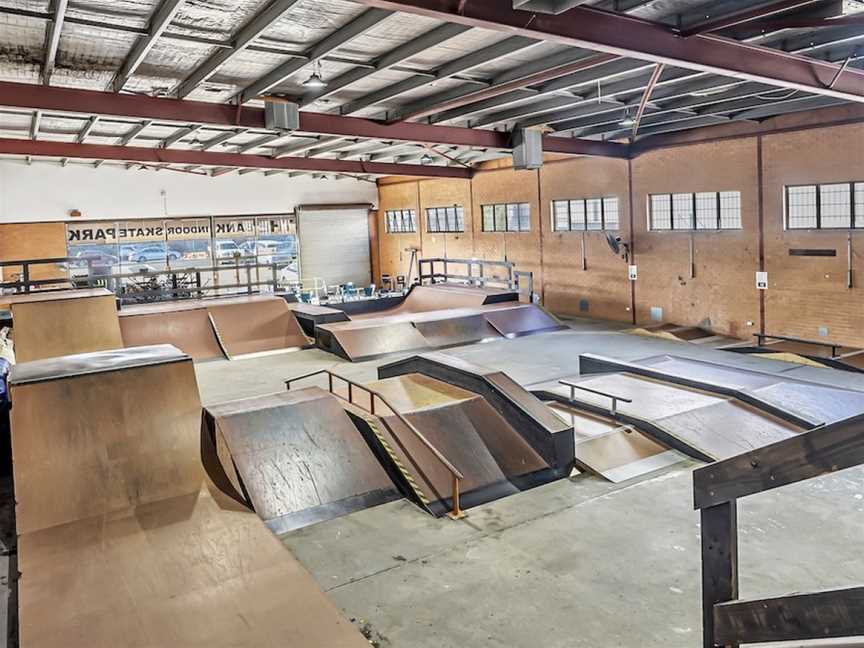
(298, 456)
(188, 330)
(257, 326)
(422, 299)
(49, 325)
(123, 541)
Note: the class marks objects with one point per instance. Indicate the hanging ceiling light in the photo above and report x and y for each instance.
(315, 80)
(426, 159)
(628, 121)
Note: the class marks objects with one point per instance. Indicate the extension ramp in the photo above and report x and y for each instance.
(53, 324)
(493, 457)
(295, 458)
(122, 539)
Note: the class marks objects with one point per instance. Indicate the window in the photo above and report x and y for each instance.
(445, 219)
(706, 210)
(401, 221)
(589, 214)
(509, 217)
(828, 206)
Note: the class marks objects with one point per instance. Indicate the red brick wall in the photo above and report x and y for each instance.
(805, 293)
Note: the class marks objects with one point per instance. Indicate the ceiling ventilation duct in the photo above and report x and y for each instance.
(547, 6)
(527, 149)
(281, 116)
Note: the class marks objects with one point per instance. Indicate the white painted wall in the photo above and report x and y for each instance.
(47, 192)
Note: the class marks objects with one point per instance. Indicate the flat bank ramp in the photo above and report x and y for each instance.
(705, 426)
(53, 324)
(208, 329)
(369, 338)
(296, 458)
(803, 403)
(493, 457)
(422, 299)
(122, 539)
(614, 451)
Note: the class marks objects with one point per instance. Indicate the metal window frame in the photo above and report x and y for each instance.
(853, 215)
(506, 229)
(694, 218)
(584, 201)
(447, 229)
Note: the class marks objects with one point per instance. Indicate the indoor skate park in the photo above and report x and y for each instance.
(431, 323)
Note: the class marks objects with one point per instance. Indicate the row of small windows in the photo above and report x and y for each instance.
(827, 206)
(445, 219)
(400, 221)
(709, 210)
(587, 214)
(507, 217)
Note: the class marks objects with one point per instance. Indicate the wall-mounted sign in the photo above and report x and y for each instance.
(234, 227)
(633, 273)
(762, 280)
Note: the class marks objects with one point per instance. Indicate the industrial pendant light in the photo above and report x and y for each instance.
(315, 80)
(426, 160)
(628, 121)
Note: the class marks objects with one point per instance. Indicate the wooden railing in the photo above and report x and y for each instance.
(717, 487)
(615, 399)
(456, 511)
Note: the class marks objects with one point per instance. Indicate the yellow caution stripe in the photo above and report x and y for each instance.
(376, 430)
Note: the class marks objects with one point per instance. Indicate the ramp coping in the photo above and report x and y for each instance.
(93, 363)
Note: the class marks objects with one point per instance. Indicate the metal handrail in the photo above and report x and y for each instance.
(457, 475)
(615, 399)
(761, 337)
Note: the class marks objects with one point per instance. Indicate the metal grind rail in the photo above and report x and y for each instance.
(456, 511)
(615, 399)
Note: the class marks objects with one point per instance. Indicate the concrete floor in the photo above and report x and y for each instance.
(572, 563)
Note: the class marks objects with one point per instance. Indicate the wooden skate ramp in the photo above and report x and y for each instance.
(495, 460)
(123, 541)
(257, 326)
(53, 324)
(297, 457)
(423, 299)
(190, 330)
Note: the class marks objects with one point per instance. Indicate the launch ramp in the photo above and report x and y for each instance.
(296, 458)
(123, 542)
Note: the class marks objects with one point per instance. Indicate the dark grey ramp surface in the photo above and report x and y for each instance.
(809, 400)
(706, 426)
(296, 458)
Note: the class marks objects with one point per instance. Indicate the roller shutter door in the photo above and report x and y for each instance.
(334, 244)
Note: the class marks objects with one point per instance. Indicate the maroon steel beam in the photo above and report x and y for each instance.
(626, 35)
(209, 158)
(515, 84)
(776, 24)
(745, 16)
(185, 112)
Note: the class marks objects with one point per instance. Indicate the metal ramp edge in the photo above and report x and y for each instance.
(550, 437)
(590, 363)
